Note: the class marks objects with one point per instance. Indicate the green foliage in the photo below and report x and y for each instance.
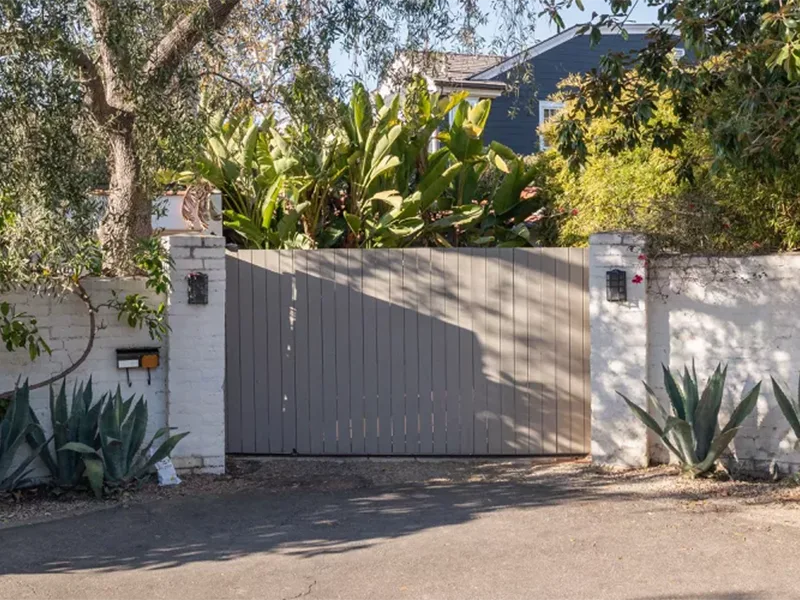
(79, 424)
(718, 210)
(20, 330)
(737, 87)
(121, 459)
(692, 432)
(790, 407)
(14, 427)
(371, 181)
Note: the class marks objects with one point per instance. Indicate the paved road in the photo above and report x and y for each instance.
(546, 539)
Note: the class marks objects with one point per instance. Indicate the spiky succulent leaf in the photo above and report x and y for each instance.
(745, 407)
(715, 451)
(787, 407)
(674, 393)
(707, 412)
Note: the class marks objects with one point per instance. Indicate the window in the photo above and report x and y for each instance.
(547, 110)
(679, 53)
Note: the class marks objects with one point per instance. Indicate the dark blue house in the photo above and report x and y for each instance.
(518, 107)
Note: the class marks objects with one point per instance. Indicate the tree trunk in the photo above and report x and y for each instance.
(128, 215)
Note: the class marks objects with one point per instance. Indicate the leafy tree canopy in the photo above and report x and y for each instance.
(739, 83)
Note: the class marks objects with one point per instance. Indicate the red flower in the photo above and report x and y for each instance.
(726, 226)
(642, 257)
(637, 279)
(691, 206)
(574, 212)
(756, 245)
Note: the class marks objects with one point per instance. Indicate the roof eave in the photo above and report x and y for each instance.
(549, 44)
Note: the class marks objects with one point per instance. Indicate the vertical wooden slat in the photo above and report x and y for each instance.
(289, 405)
(452, 345)
(342, 344)
(522, 395)
(384, 339)
(274, 352)
(576, 349)
(302, 371)
(494, 315)
(233, 375)
(411, 290)
(316, 396)
(479, 324)
(370, 268)
(549, 356)
(328, 274)
(424, 326)
(535, 342)
(246, 345)
(439, 351)
(506, 277)
(562, 350)
(396, 313)
(548, 352)
(260, 379)
(356, 332)
(466, 366)
(587, 392)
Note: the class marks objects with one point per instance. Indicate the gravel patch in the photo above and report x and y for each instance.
(659, 484)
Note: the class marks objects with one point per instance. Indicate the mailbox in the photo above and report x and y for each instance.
(137, 358)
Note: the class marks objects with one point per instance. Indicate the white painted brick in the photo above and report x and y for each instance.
(740, 311)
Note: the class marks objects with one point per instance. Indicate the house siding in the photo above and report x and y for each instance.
(519, 131)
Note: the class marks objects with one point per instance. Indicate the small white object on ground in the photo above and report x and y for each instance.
(166, 471)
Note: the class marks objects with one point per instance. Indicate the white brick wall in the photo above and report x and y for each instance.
(739, 311)
(184, 392)
(619, 350)
(196, 363)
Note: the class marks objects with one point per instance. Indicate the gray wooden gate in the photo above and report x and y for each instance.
(408, 352)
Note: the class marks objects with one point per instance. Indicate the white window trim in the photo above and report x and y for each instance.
(546, 105)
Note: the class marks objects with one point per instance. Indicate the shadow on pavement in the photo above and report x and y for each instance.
(298, 523)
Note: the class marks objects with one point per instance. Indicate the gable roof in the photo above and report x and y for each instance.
(540, 48)
(456, 66)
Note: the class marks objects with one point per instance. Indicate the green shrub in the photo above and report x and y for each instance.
(14, 427)
(673, 194)
(691, 432)
(121, 458)
(78, 424)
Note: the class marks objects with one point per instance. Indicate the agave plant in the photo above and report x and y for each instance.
(790, 407)
(78, 424)
(691, 432)
(14, 427)
(121, 459)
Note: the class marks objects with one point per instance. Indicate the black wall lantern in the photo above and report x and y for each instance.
(616, 286)
(198, 288)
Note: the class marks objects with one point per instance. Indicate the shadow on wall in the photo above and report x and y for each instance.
(742, 312)
(412, 352)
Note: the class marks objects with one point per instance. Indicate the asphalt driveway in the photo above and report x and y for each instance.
(564, 534)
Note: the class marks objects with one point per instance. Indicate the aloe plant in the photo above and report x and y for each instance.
(790, 407)
(692, 432)
(121, 458)
(14, 427)
(78, 423)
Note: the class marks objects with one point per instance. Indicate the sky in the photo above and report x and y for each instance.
(544, 29)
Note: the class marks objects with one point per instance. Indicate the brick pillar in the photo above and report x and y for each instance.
(196, 354)
(619, 350)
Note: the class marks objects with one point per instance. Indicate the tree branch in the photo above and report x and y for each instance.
(185, 35)
(92, 82)
(101, 25)
(81, 293)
